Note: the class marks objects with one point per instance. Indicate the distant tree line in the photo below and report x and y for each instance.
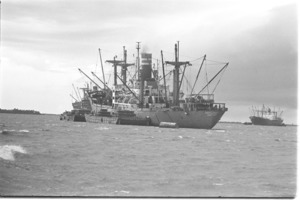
(17, 111)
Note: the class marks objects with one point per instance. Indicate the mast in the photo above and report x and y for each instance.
(102, 69)
(138, 59)
(141, 99)
(178, 49)
(163, 68)
(115, 63)
(177, 65)
(124, 65)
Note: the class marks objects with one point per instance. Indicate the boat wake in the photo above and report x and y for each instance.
(7, 152)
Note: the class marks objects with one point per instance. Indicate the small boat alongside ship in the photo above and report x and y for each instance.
(267, 117)
(103, 116)
(75, 115)
(80, 108)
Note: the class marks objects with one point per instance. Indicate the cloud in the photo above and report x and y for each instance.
(264, 60)
(52, 38)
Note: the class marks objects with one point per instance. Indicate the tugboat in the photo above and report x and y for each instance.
(265, 116)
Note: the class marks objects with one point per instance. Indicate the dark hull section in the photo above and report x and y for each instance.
(74, 115)
(101, 119)
(78, 118)
(203, 119)
(266, 122)
(134, 121)
(74, 118)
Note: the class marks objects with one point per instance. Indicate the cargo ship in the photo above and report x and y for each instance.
(267, 117)
(154, 103)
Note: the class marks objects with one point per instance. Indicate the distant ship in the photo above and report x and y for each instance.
(266, 116)
(151, 102)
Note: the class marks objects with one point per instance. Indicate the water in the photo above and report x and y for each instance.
(43, 156)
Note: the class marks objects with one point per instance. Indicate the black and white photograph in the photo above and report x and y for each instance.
(148, 98)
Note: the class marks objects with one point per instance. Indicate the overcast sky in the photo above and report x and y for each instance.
(43, 43)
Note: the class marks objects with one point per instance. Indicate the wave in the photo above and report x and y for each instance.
(103, 128)
(220, 130)
(180, 137)
(12, 131)
(122, 191)
(24, 131)
(7, 152)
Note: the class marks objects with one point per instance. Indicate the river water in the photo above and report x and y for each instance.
(43, 156)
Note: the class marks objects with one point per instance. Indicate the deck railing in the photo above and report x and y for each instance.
(203, 106)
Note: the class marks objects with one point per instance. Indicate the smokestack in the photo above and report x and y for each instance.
(146, 66)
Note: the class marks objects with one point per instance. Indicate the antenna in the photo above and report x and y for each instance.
(138, 59)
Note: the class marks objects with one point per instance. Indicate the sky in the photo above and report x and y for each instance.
(43, 43)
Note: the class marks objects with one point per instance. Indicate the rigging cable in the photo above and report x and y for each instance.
(219, 79)
(204, 57)
(213, 78)
(187, 81)
(217, 62)
(206, 77)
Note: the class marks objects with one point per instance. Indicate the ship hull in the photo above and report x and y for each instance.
(266, 122)
(202, 119)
